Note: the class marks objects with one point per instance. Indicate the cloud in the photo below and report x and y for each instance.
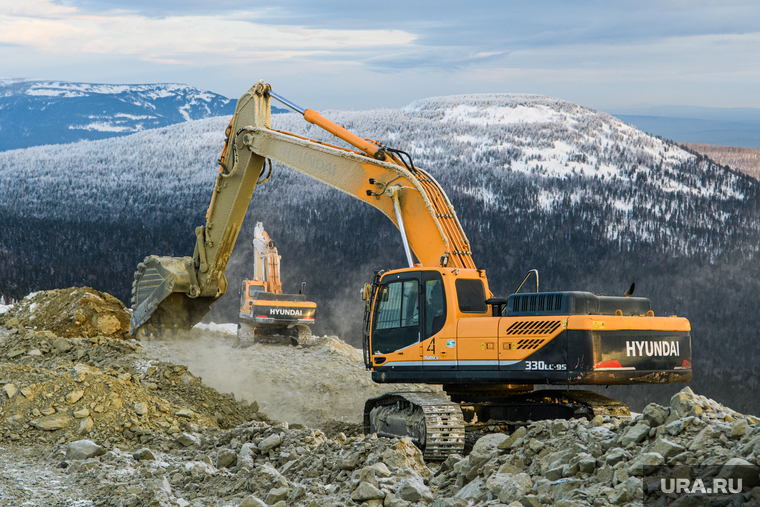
(186, 39)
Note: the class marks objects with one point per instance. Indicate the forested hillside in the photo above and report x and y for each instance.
(592, 203)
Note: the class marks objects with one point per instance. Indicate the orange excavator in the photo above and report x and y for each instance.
(435, 321)
(266, 314)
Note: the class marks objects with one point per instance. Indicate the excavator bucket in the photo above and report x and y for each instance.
(161, 296)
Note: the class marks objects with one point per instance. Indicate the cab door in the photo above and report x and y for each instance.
(438, 349)
(396, 328)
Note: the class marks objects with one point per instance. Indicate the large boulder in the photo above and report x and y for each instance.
(83, 449)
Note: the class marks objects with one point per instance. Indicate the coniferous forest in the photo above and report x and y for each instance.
(592, 203)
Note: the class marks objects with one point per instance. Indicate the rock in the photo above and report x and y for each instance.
(381, 470)
(187, 440)
(413, 489)
(620, 495)
(185, 412)
(517, 487)
(646, 459)
(82, 370)
(62, 345)
(682, 401)
(739, 428)
(74, 396)
(615, 456)
(27, 392)
(486, 445)
(564, 489)
(655, 414)
(450, 502)
(666, 448)
(226, 458)
(276, 495)
(496, 482)
(474, 491)
(10, 390)
(252, 501)
(141, 408)
(83, 449)
(635, 434)
(144, 454)
(587, 464)
(676, 427)
(248, 449)
(268, 444)
(701, 439)
(366, 491)
(81, 413)
(535, 445)
(738, 468)
(107, 324)
(509, 443)
(86, 425)
(52, 422)
(349, 462)
(406, 455)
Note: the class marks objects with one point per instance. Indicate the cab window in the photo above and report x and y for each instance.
(397, 316)
(435, 304)
(471, 296)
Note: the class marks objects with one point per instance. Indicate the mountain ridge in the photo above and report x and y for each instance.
(69, 112)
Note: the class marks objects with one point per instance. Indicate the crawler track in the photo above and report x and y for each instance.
(435, 424)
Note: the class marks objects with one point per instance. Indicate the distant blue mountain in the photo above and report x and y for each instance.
(722, 126)
(34, 113)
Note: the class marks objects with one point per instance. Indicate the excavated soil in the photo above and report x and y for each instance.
(76, 312)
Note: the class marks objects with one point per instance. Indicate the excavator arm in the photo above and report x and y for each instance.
(266, 260)
(177, 292)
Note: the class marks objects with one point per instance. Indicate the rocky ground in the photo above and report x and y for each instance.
(107, 421)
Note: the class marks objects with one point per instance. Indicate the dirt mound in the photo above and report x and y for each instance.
(44, 404)
(79, 312)
(45, 349)
(159, 402)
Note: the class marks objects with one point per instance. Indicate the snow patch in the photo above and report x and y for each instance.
(106, 127)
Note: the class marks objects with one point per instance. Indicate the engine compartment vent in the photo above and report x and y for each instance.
(534, 327)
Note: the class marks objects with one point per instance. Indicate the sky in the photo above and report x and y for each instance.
(336, 54)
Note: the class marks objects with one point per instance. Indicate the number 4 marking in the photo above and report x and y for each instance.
(431, 347)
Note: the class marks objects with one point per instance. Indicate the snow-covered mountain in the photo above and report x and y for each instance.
(591, 202)
(36, 112)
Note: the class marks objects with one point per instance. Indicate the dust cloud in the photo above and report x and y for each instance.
(315, 385)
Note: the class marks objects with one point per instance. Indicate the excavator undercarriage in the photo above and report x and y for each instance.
(439, 426)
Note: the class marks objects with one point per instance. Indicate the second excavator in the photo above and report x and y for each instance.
(435, 321)
(266, 314)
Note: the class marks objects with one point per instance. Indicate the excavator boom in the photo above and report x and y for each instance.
(178, 292)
